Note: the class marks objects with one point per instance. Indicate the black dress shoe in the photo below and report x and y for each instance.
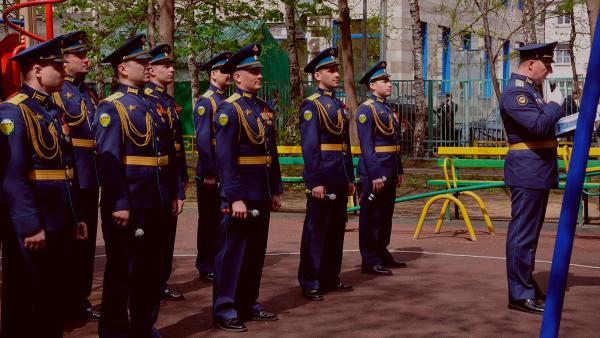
(395, 265)
(231, 325)
(264, 316)
(169, 294)
(379, 270)
(312, 294)
(90, 314)
(528, 305)
(207, 276)
(340, 286)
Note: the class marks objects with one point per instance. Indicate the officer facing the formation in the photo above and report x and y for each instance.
(530, 169)
(209, 201)
(328, 171)
(40, 198)
(380, 172)
(250, 187)
(138, 192)
(78, 100)
(166, 120)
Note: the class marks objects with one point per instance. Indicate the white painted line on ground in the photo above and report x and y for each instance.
(295, 253)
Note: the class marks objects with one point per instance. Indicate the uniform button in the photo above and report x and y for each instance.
(159, 153)
(158, 138)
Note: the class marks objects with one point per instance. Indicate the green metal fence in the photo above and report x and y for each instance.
(459, 112)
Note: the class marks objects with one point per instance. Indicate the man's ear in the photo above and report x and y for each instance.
(37, 71)
(122, 69)
(317, 75)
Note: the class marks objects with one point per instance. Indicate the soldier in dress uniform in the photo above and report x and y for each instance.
(40, 197)
(78, 99)
(209, 201)
(325, 140)
(250, 188)
(530, 168)
(162, 73)
(138, 195)
(380, 172)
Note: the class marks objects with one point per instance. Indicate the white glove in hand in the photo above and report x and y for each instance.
(556, 96)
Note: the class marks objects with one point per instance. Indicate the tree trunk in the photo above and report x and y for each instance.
(593, 6)
(151, 24)
(100, 81)
(296, 87)
(576, 89)
(348, 66)
(167, 29)
(419, 83)
(528, 21)
(484, 10)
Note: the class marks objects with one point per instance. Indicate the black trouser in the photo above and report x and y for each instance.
(209, 204)
(33, 283)
(169, 230)
(84, 252)
(528, 209)
(239, 263)
(375, 223)
(322, 244)
(132, 275)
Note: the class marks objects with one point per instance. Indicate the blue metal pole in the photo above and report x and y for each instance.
(568, 214)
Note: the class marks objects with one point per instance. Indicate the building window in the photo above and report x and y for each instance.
(562, 56)
(563, 20)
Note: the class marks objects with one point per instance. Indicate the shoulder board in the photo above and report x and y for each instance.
(313, 97)
(261, 100)
(149, 92)
(368, 102)
(233, 98)
(17, 99)
(114, 96)
(519, 83)
(208, 93)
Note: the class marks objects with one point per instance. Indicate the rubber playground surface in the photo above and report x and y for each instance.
(452, 287)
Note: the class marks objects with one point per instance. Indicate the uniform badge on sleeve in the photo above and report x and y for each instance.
(307, 115)
(522, 100)
(104, 120)
(362, 118)
(7, 126)
(201, 110)
(223, 119)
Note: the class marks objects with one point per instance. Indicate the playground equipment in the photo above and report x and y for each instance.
(453, 197)
(14, 43)
(575, 180)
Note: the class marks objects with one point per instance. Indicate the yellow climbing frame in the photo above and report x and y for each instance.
(452, 198)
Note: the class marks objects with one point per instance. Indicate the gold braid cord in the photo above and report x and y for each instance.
(77, 119)
(34, 129)
(128, 127)
(385, 130)
(334, 128)
(255, 138)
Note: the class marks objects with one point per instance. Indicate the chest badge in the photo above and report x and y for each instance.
(248, 112)
(201, 110)
(362, 118)
(522, 100)
(223, 119)
(328, 106)
(69, 95)
(131, 107)
(307, 115)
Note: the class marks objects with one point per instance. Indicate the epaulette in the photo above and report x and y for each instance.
(519, 83)
(261, 100)
(208, 93)
(114, 96)
(368, 102)
(233, 98)
(17, 99)
(149, 91)
(313, 97)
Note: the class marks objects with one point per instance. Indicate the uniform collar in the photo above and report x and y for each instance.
(216, 90)
(131, 90)
(376, 98)
(245, 94)
(524, 78)
(325, 92)
(157, 88)
(75, 81)
(35, 95)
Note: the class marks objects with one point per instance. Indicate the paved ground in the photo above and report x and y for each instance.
(453, 287)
